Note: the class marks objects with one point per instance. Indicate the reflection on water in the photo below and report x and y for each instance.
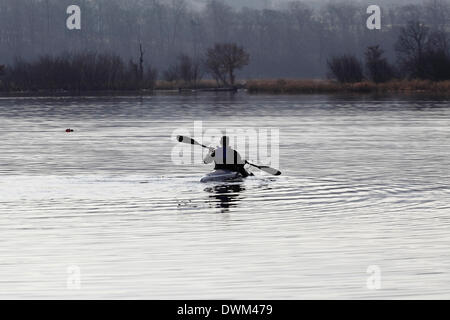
(226, 195)
(365, 182)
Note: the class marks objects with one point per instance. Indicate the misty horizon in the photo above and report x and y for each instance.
(284, 38)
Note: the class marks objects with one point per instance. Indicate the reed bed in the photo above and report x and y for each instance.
(292, 86)
(175, 85)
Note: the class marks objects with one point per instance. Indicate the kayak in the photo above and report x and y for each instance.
(221, 176)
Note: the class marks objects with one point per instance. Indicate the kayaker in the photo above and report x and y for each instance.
(226, 158)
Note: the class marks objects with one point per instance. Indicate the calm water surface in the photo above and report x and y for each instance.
(365, 182)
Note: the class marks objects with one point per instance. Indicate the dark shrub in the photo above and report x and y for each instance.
(378, 68)
(346, 69)
(81, 71)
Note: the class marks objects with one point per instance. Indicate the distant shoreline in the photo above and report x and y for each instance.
(264, 86)
(292, 86)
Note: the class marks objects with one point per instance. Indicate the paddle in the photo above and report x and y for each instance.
(188, 140)
(267, 169)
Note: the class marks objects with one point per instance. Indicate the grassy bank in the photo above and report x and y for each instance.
(199, 85)
(290, 86)
(280, 86)
(174, 85)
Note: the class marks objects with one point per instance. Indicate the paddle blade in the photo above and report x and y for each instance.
(270, 170)
(267, 169)
(185, 139)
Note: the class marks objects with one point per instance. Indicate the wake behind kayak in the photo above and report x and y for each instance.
(222, 176)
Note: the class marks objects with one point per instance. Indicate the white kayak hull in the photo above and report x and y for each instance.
(221, 176)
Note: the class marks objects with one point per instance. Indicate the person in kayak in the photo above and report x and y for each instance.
(226, 158)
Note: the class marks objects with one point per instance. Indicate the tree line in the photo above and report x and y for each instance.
(422, 53)
(420, 49)
(291, 41)
(91, 71)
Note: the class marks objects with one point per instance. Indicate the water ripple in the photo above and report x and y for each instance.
(365, 182)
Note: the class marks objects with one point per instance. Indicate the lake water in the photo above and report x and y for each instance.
(103, 212)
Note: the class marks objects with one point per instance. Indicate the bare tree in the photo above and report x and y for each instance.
(411, 46)
(224, 59)
(186, 69)
(436, 60)
(438, 41)
(141, 62)
(216, 68)
(378, 68)
(423, 53)
(189, 69)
